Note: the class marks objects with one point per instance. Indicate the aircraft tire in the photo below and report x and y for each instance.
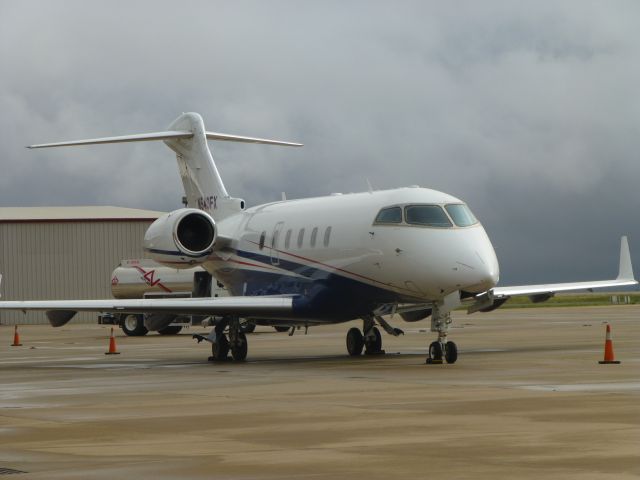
(133, 326)
(450, 352)
(355, 342)
(281, 328)
(435, 352)
(374, 345)
(220, 349)
(239, 352)
(173, 330)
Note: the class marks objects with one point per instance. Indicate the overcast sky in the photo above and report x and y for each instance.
(529, 112)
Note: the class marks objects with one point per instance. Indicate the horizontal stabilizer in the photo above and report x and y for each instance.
(139, 137)
(168, 135)
(236, 138)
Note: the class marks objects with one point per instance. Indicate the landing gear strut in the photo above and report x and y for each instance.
(441, 348)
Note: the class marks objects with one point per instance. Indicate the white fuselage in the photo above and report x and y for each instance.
(357, 262)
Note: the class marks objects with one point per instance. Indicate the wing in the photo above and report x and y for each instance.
(494, 298)
(60, 312)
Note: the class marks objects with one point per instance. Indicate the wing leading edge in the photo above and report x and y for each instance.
(625, 278)
(60, 312)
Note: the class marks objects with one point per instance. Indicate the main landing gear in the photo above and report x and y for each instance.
(369, 339)
(370, 342)
(441, 349)
(221, 344)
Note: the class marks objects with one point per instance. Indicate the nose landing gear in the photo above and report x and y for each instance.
(441, 349)
(437, 352)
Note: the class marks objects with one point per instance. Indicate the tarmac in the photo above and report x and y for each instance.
(526, 399)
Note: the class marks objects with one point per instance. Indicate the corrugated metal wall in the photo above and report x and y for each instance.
(63, 260)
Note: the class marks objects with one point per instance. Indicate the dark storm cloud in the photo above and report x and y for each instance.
(528, 112)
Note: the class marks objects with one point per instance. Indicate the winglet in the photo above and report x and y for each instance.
(626, 269)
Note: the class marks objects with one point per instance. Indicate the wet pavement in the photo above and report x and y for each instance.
(526, 399)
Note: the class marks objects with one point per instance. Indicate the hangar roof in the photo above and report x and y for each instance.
(75, 214)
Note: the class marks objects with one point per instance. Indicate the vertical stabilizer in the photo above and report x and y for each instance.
(202, 183)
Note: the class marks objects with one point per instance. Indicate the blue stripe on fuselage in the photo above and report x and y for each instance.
(318, 293)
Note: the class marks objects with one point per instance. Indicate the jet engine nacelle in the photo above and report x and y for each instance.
(181, 238)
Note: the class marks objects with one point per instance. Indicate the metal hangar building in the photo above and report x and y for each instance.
(49, 253)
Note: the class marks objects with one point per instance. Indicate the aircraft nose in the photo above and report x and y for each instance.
(482, 272)
(488, 270)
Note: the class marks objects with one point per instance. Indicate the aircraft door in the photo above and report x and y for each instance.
(275, 256)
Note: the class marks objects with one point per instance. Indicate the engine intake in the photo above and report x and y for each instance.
(195, 233)
(181, 238)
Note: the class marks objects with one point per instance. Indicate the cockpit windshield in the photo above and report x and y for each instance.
(428, 215)
(390, 215)
(461, 215)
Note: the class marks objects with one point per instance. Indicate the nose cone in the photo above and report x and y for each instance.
(474, 263)
(488, 270)
(484, 271)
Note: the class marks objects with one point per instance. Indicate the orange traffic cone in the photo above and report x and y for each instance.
(609, 357)
(112, 345)
(16, 338)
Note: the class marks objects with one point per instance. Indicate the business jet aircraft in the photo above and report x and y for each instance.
(409, 251)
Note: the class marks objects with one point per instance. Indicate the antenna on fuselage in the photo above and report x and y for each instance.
(369, 185)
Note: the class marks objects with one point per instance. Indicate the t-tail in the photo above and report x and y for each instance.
(187, 137)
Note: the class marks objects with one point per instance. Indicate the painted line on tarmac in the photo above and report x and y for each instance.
(585, 387)
(148, 364)
(35, 360)
(90, 366)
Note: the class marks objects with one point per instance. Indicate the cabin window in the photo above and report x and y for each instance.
(287, 239)
(314, 235)
(274, 240)
(263, 236)
(300, 237)
(427, 215)
(327, 236)
(461, 215)
(389, 215)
